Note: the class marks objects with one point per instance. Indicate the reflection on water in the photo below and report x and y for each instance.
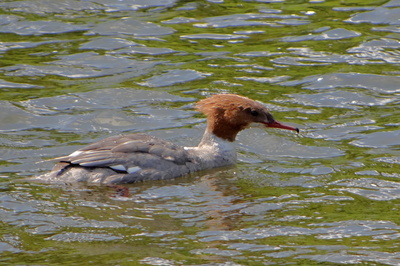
(74, 72)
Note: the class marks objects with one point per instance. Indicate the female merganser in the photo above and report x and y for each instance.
(138, 157)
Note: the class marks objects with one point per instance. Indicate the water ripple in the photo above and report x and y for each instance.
(74, 72)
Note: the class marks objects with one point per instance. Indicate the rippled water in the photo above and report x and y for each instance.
(73, 72)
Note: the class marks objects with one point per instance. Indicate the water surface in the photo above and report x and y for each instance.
(73, 72)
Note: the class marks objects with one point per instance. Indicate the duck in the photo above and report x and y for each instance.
(137, 157)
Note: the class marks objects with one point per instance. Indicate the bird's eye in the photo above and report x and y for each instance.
(254, 113)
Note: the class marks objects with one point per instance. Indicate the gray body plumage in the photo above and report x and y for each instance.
(137, 157)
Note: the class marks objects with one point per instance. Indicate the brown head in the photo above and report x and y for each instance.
(227, 114)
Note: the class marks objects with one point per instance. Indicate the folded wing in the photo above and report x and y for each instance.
(124, 159)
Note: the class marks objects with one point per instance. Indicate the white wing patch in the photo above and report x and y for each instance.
(130, 170)
(133, 169)
(75, 153)
(118, 167)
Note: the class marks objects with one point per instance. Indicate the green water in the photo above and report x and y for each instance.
(72, 72)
